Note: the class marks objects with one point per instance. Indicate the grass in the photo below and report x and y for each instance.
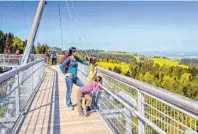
(125, 67)
(168, 62)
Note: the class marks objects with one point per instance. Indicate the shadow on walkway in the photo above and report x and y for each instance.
(43, 115)
(48, 113)
(56, 128)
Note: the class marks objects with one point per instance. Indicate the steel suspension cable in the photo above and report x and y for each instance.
(76, 14)
(67, 28)
(74, 8)
(8, 11)
(48, 20)
(69, 32)
(24, 11)
(1, 21)
(60, 23)
(13, 6)
(75, 26)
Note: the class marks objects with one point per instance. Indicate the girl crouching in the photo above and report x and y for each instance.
(85, 92)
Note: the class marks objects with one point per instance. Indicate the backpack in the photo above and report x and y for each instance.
(63, 58)
(67, 66)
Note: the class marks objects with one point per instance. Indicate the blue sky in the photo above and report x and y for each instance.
(124, 26)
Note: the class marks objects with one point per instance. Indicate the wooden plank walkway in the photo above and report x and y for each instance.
(48, 112)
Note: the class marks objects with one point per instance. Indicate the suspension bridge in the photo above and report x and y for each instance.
(32, 100)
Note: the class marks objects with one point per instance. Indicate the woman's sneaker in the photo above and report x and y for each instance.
(71, 108)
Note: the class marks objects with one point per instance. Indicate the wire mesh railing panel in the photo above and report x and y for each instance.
(29, 80)
(118, 116)
(165, 115)
(6, 86)
(149, 113)
(17, 86)
(82, 72)
(119, 105)
(8, 113)
(118, 88)
(171, 119)
(10, 59)
(15, 60)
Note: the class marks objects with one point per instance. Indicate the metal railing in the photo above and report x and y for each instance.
(17, 88)
(10, 60)
(13, 60)
(130, 106)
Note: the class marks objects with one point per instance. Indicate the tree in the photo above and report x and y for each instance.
(135, 70)
(2, 43)
(41, 49)
(191, 90)
(8, 40)
(193, 71)
(18, 44)
(177, 71)
(141, 77)
(1, 70)
(117, 69)
(149, 78)
(45, 48)
(128, 73)
(167, 82)
(185, 78)
(38, 48)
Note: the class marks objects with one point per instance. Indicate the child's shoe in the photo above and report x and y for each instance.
(85, 111)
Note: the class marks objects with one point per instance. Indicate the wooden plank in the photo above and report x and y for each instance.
(48, 112)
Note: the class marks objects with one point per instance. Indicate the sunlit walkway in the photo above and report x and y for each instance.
(48, 113)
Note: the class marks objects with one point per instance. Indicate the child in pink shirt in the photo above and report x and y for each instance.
(85, 91)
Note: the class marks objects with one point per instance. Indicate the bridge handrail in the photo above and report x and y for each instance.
(83, 76)
(18, 87)
(168, 111)
(157, 129)
(175, 99)
(13, 72)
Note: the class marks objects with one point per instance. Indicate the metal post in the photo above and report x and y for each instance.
(33, 32)
(129, 119)
(141, 108)
(32, 79)
(18, 96)
(3, 62)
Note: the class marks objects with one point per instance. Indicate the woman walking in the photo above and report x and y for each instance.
(71, 74)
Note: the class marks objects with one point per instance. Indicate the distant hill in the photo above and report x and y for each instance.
(118, 53)
(171, 55)
(56, 49)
